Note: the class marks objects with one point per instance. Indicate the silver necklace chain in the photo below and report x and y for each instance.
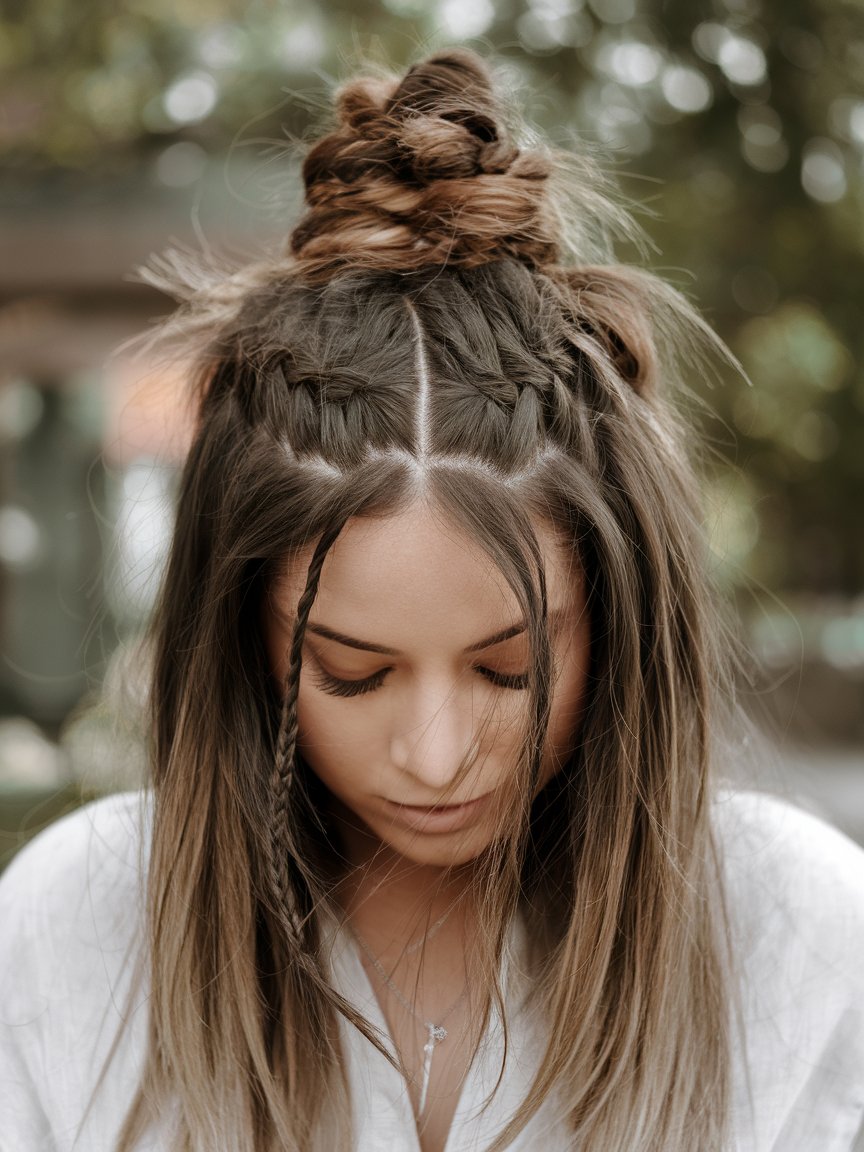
(435, 1033)
(417, 944)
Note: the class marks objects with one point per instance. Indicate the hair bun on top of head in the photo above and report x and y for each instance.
(420, 171)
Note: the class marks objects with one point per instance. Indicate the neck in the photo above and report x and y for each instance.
(390, 898)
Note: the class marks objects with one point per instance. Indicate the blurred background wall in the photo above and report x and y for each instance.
(738, 126)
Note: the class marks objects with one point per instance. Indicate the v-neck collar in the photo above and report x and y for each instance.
(382, 1112)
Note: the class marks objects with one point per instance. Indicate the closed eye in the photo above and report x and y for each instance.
(337, 687)
(346, 688)
(515, 680)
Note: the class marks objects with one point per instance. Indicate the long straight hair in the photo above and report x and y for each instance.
(409, 347)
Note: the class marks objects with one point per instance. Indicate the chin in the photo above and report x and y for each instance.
(439, 851)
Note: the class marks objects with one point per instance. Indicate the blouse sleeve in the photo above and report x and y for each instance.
(25, 1125)
(795, 890)
(70, 910)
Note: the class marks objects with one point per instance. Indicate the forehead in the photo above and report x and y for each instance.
(416, 566)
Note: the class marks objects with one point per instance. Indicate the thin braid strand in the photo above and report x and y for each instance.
(281, 838)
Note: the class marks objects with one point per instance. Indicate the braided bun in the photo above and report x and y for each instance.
(421, 171)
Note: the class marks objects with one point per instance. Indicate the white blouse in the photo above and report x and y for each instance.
(70, 937)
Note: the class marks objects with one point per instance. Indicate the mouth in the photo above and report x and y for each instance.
(439, 817)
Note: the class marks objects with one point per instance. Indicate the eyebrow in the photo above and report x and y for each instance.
(554, 619)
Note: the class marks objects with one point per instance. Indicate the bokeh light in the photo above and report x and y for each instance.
(823, 171)
(191, 98)
(21, 542)
(742, 60)
(300, 43)
(762, 143)
(222, 46)
(181, 164)
(614, 11)
(686, 89)
(464, 19)
(630, 62)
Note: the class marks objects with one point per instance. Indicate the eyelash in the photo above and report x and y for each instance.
(337, 687)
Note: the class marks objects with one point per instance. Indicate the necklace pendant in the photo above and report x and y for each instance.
(436, 1034)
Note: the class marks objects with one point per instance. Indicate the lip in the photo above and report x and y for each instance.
(440, 818)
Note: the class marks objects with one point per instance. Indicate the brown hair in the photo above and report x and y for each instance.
(424, 333)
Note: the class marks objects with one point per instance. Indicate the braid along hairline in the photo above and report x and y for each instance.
(317, 464)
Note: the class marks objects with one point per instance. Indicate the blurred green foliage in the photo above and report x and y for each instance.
(739, 124)
(24, 812)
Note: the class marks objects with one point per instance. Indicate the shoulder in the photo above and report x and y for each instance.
(795, 911)
(76, 885)
(100, 840)
(71, 907)
(783, 865)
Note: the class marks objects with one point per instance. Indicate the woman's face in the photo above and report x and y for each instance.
(415, 655)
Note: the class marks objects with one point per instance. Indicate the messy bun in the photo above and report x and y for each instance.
(421, 170)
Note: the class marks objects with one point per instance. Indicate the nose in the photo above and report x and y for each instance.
(433, 735)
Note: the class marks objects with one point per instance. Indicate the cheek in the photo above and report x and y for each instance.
(321, 732)
(339, 740)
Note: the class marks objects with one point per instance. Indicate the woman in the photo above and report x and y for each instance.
(433, 854)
